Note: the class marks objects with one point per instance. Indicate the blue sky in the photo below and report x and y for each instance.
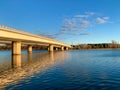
(70, 21)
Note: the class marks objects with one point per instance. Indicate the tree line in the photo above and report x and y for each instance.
(114, 44)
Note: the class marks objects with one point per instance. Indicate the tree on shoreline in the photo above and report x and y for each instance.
(114, 44)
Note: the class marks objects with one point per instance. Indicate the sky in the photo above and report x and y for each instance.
(69, 21)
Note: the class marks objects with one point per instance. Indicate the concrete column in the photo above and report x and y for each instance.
(16, 47)
(66, 48)
(29, 49)
(51, 48)
(62, 48)
(48, 48)
(56, 49)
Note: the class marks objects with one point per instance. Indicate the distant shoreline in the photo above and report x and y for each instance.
(23, 48)
(70, 49)
(99, 49)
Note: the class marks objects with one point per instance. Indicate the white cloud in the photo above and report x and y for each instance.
(86, 15)
(78, 24)
(90, 13)
(102, 20)
(84, 24)
(81, 16)
(106, 18)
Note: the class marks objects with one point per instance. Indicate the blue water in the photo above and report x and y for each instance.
(62, 70)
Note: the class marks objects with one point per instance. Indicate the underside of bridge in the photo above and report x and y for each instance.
(16, 38)
(17, 46)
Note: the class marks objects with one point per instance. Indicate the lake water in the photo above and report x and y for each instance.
(61, 70)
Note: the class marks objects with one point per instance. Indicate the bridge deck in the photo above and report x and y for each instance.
(7, 33)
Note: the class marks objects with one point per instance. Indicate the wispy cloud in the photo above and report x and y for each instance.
(90, 13)
(86, 15)
(102, 20)
(78, 24)
(81, 16)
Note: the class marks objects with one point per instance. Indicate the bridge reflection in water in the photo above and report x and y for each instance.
(16, 61)
(28, 65)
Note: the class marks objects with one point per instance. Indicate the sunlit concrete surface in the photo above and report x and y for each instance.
(17, 37)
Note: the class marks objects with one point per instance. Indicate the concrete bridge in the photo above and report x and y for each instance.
(18, 37)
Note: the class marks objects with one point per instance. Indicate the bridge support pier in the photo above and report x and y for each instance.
(16, 48)
(48, 48)
(56, 49)
(62, 48)
(51, 48)
(66, 48)
(29, 49)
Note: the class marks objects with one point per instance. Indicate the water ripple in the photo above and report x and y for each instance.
(72, 70)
